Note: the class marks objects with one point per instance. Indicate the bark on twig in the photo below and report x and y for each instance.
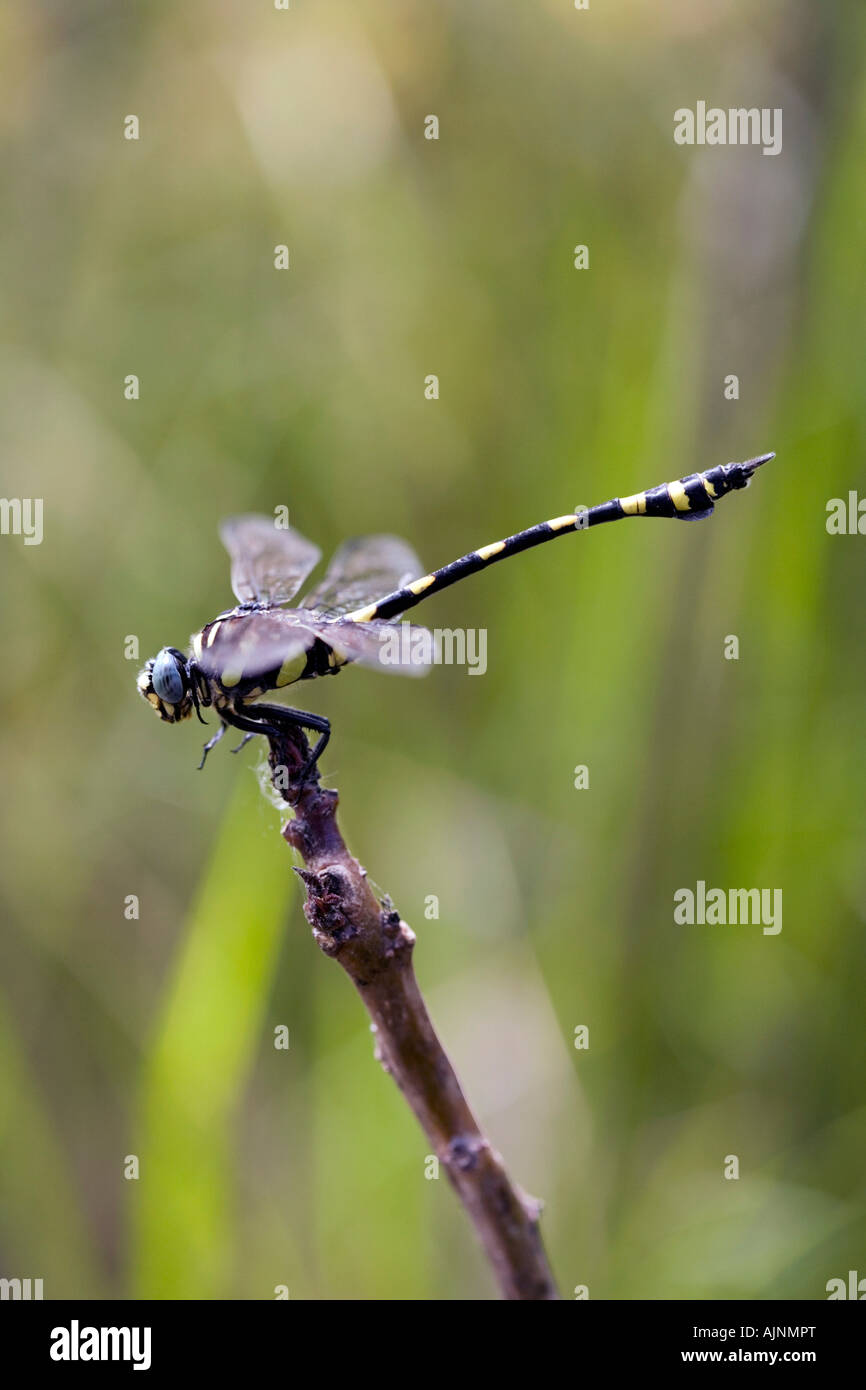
(374, 947)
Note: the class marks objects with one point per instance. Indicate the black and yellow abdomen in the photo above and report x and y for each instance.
(688, 498)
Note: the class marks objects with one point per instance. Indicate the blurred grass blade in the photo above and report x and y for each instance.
(198, 1065)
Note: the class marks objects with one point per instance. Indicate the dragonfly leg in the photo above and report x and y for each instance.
(243, 743)
(279, 720)
(211, 743)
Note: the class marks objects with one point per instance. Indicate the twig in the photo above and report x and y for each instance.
(374, 947)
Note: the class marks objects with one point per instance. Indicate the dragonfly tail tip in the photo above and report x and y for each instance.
(756, 462)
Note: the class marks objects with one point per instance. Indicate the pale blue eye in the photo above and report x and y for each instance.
(167, 679)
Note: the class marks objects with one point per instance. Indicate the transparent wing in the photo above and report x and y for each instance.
(400, 648)
(268, 565)
(251, 644)
(364, 568)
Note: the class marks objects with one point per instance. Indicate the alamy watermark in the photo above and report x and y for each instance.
(716, 907)
(22, 516)
(846, 516)
(404, 645)
(737, 126)
(77, 1343)
(21, 1289)
(854, 1287)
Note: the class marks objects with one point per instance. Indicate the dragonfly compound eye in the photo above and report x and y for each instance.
(167, 678)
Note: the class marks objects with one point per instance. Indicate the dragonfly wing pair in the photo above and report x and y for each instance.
(268, 567)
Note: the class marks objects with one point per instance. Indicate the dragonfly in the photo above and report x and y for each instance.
(261, 645)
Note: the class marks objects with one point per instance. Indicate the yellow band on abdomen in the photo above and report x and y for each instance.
(679, 497)
(634, 506)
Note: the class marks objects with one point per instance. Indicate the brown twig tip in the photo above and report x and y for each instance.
(374, 946)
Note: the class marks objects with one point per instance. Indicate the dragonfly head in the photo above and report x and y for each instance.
(166, 684)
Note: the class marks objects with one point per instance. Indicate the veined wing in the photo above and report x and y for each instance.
(273, 639)
(269, 565)
(252, 644)
(400, 648)
(364, 568)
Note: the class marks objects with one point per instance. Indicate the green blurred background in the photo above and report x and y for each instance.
(154, 1037)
